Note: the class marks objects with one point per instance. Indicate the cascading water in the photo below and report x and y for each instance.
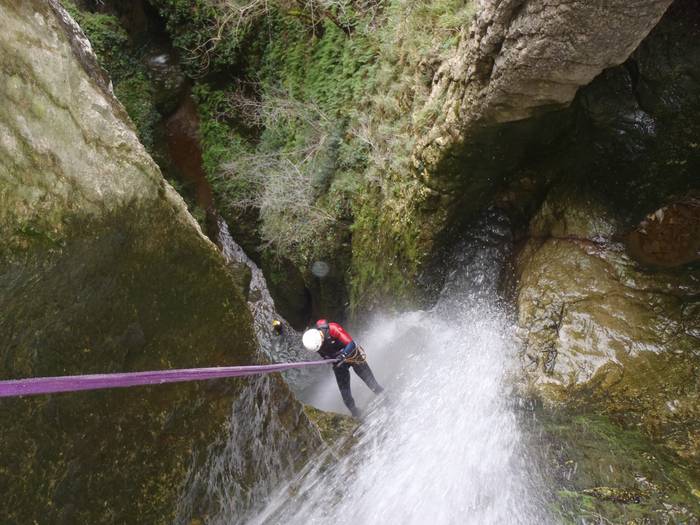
(268, 434)
(262, 449)
(443, 445)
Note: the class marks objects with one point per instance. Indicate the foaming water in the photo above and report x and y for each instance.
(443, 445)
(259, 452)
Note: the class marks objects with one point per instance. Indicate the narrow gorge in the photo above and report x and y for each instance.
(499, 198)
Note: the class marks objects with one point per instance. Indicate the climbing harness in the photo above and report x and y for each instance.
(52, 385)
(357, 357)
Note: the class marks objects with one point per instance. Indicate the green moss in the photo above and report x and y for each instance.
(108, 38)
(615, 473)
(120, 294)
(197, 29)
(221, 140)
(328, 72)
(136, 93)
(346, 78)
(333, 70)
(335, 429)
(363, 87)
(393, 235)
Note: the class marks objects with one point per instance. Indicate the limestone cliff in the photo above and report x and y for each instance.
(519, 59)
(103, 270)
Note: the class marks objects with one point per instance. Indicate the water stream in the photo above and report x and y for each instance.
(443, 445)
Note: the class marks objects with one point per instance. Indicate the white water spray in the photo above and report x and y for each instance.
(443, 445)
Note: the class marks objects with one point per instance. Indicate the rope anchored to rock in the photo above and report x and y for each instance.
(52, 385)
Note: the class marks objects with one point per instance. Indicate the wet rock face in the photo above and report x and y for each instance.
(670, 236)
(182, 136)
(101, 270)
(608, 288)
(580, 290)
(521, 59)
(602, 472)
(599, 330)
(625, 210)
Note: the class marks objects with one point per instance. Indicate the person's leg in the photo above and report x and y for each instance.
(365, 372)
(342, 376)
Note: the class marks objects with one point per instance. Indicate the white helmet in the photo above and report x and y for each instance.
(312, 339)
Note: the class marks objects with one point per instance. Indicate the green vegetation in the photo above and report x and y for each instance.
(136, 93)
(607, 472)
(335, 429)
(297, 166)
(123, 63)
(220, 139)
(209, 34)
(335, 96)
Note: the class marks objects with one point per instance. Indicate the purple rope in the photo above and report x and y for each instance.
(52, 385)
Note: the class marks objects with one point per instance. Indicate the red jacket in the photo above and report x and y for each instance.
(336, 341)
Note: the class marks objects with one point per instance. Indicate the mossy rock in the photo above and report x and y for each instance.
(336, 429)
(103, 270)
(606, 472)
(599, 330)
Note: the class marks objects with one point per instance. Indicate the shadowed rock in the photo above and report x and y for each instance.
(520, 59)
(103, 270)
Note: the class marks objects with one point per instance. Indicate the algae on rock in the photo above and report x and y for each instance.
(336, 429)
(603, 472)
(599, 330)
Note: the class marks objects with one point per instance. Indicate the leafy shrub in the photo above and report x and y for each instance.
(367, 67)
(283, 177)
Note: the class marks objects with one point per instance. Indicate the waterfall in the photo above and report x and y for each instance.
(443, 444)
(262, 448)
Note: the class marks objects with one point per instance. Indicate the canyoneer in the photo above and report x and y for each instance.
(332, 342)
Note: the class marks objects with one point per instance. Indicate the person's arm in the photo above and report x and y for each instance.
(336, 331)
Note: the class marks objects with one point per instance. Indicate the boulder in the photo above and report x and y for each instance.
(600, 330)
